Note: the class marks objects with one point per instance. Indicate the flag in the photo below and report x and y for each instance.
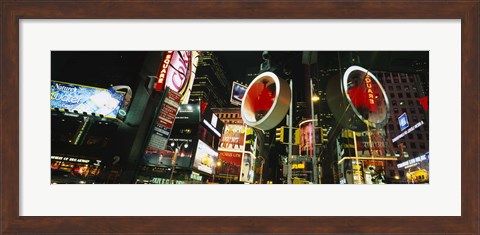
(424, 102)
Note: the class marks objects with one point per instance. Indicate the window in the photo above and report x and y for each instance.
(408, 95)
(407, 89)
(398, 87)
(422, 145)
(419, 136)
(413, 145)
(400, 95)
(401, 173)
(394, 103)
(412, 110)
(392, 95)
(395, 110)
(392, 173)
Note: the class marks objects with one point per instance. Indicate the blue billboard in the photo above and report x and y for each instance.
(403, 121)
(85, 99)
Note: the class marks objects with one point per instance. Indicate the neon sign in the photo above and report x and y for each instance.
(162, 73)
(368, 84)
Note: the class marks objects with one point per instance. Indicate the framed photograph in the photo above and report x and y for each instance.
(447, 31)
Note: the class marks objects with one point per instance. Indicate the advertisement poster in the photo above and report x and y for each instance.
(306, 137)
(238, 91)
(375, 144)
(188, 114)
(205, 158)
(159, 158)
(166, 118)
(91, 100)
(229, 163)
(233, 138)
(247, 169)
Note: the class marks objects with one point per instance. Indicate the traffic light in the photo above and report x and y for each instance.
(296, 137)
(279, 134)
(324, 136)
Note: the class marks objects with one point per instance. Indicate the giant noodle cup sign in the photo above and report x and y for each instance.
(358, 100)
(266, 101)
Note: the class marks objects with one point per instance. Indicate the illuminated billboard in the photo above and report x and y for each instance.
(229, 163)
(247, 168)
(233, 138)
(177, 71)
(266, 101)
(306, 137)
(205, 158)
(238, 91)
(371, 143)
(85, 99)
(159, 158)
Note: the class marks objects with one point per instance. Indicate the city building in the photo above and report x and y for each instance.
(210, 84)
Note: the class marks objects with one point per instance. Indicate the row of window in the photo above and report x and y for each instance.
(404, 78)
(229, 115)
(400, 95)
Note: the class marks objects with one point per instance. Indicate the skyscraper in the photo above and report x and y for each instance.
(210, 83)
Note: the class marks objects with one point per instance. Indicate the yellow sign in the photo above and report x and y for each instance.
(298, 166)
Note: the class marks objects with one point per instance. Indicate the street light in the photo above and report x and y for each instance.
(314, 155)
(174, 159)
(215, 170)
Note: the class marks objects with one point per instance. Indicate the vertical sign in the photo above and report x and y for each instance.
(163, 126)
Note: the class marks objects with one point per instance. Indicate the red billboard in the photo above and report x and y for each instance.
(229, 163)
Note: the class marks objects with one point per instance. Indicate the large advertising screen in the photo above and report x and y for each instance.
(91, 100)
(230, 163)
(233, 138)
(159, 158)
(371, 143)
(238, 91)
(188, 114)
(205, 158)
